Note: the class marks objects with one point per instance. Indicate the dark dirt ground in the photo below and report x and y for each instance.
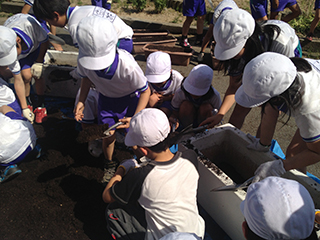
(59, 195)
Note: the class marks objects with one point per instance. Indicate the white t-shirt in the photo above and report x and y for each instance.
(307, 115)
(286, 42)
(127, 78)
(123, 30)
(30, 31)
(168, 193)
(176, 79)
(16, 136)
(6, 94)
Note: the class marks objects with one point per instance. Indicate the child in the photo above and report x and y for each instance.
(222, 6)
(315, 21)
(293, 89)
(196, 100)
(17, 140)
(102, 3)
(192, 9)
(278, 208)
(165, 188)
(27, 9)
(116, 75)
(282, 4)
(163, 81)
(234, 48)
(26, 43)
(90, 118)
(59, 13)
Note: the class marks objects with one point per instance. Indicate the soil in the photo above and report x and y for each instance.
(93, 133)
(59, 194)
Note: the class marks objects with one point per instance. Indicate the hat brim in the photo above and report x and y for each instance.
(128, 141)
(194, 91)
(246, 101)
(158, 78)
(225, 54)
(97, 63)
(10, 58)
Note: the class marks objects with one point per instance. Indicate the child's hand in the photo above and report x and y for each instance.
(153, 100)
(212, 121)
(126, 121)
(78, 111)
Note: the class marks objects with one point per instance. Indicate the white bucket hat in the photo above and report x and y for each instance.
(231, 33)
(148, 127)
(158, 67)
(266, 76)
(199, 80)
(97, 40)
(279, 208)
(221, 7)
(8, 49)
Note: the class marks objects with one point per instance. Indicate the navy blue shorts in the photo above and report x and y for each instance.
(258, 8)
(283, 4)
(110, 110)
(193, 8)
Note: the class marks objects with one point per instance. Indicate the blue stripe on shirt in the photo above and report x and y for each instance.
(312, 139)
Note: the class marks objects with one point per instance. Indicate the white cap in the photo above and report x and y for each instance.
(158, 67)
(8, 49)
(148, 127)
(180, 236)
(279, 208)
(199, 80)
(223, 6)
(231, 33)
(266, 76)
(97, 40)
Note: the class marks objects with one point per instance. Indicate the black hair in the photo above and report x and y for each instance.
(206, 96)
(291, 98)
(260, 41)
(170, 140)
(44, 9)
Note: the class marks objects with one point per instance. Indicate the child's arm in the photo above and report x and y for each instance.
(142, 103)
(26, 8)
(85, 87)
(227, 103)
(143, 100)
(20, 90)
(154, 99)
(268, 125)
(117, 177)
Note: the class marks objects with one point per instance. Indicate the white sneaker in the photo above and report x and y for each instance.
(95, 148)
